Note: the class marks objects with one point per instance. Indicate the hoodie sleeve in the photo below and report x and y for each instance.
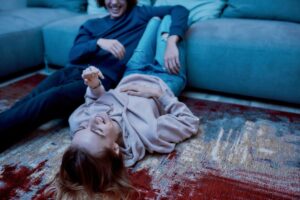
(178, 123)
(92, 95)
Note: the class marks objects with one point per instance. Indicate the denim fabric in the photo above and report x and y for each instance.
(145, 51)
(148, 57)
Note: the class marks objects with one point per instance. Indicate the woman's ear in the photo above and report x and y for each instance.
(116, 148)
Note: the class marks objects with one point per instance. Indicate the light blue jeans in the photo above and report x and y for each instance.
(148, 57)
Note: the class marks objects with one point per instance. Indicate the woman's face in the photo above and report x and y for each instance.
(116, 8)
(96, 134)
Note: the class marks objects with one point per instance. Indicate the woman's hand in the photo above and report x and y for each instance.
(112, 46)
(142, 91)
(171, 57)
(91, 77)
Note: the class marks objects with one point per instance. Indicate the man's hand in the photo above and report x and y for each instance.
(171, 58)
(112, 46)
(91, 77)
(142, 91)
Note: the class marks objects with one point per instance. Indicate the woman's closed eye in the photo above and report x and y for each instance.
(97, 130)
(82, 125)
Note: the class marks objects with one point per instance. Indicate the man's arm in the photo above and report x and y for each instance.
(171, 57)
(84, 46)
(179, 16)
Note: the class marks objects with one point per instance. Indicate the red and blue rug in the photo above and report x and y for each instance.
(240, 153)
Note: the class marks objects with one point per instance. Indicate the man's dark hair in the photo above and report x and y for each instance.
(130, 3)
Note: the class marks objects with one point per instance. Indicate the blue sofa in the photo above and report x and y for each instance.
(21, 38)
(252, 48)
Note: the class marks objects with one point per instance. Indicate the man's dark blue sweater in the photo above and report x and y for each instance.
(127, 29)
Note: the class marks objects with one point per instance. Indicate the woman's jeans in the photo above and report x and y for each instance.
(148, 57)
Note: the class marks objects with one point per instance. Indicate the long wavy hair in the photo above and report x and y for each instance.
(83, 176)
(130, 3)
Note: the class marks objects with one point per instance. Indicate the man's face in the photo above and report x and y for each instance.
(116, 8)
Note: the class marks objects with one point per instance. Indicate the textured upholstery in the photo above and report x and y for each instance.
(21, 37)
(248, 57)
(287, 10)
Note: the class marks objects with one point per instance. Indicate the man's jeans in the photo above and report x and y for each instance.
(148, 57)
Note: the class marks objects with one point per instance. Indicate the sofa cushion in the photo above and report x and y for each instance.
(199, 9)
(30, 17)
(249, 57)
(12, 4)
(72, 5)
(93, 8)
(288, 10)
(144, 2)
(21, 37)
(59, 37)
(20, 50)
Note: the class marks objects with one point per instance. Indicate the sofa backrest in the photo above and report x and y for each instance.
(286, 10)
(71, 5)
(12, 4)
(199, 9)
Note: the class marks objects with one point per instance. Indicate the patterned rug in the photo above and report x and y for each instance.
(240, 153)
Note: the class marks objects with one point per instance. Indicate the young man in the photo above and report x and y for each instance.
(106, 43)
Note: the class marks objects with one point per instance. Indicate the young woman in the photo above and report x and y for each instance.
(115, 128)
(141, 114)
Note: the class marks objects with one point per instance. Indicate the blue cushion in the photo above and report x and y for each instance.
(257, 58)
(12, 4)
(144, 2)
(93, 8)
(22, 28)
(31, 17)
(199, 9)
(288, 10)
(72, 5)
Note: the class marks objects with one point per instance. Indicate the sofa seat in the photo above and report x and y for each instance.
(21, 27)
(59, 38)
(259, 58)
